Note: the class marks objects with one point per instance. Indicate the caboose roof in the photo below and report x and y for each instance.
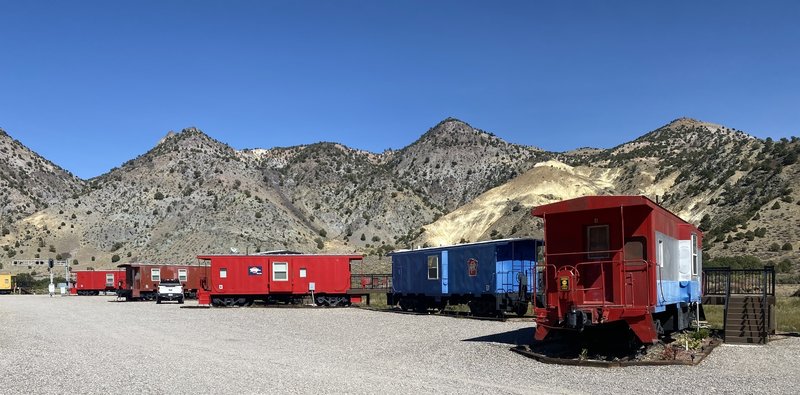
(587, 203)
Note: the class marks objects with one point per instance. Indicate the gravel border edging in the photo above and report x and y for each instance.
(525, 351)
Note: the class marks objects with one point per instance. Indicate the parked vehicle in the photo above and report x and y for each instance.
(613, 260)
(491, 277)
(170, 290)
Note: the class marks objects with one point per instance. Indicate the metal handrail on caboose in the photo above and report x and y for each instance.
(602, 288)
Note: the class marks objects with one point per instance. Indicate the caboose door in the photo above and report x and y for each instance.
(137, 282)
(636, 272)
(280, 276)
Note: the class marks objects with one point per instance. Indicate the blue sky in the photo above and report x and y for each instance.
(90, 85)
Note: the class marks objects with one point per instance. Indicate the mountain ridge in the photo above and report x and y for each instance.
(192, 194)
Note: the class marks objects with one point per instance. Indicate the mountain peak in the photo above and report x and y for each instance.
(691, 123)
(169, 135)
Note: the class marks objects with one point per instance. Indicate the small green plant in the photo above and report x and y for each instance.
(690, 340)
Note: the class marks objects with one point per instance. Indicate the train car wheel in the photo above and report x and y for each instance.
(522, 308)
(404, 305)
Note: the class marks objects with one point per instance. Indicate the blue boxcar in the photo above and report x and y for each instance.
(491, 277)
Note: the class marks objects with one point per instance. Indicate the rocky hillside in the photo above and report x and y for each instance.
(28, 182)
(453, 163)
(741, 190)
(192, 194)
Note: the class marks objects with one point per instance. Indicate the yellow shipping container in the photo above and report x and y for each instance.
(5, 283)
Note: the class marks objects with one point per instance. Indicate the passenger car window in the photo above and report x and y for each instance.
(433, 267)
(280, 271)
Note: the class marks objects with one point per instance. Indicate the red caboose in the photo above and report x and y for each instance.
(279, 277)
(617, 259)
(143, 279)
(92, 282)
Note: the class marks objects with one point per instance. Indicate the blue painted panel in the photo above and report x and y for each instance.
(508, 275)
(671, 292)
(444, 274)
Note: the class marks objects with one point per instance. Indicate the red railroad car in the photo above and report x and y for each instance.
(92, 282)
(142, 279)
(617, 260)
(287, 278)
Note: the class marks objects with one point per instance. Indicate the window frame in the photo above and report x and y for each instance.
(111, 277)
(599, 255)
(435, 260)
(183, 277)
(157, 271)
(223, 272)
(285, 271)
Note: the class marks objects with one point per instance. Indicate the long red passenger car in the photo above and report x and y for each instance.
(92, 282)
(279, 277)
(142, 279)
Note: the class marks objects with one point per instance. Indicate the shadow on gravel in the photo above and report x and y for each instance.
(523, 336)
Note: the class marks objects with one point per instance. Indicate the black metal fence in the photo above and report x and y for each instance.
(371, 281)
(724, 281)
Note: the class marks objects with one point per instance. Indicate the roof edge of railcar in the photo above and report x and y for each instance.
(485, 242)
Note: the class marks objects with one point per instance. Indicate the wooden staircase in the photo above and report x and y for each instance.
(749, 299)
(748, 319)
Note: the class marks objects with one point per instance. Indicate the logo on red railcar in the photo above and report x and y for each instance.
(254, 270)
(564, 283)
(472, 267)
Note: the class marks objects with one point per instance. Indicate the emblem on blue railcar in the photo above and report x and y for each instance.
(472, 267)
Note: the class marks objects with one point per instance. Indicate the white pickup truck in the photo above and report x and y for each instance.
(170, 290)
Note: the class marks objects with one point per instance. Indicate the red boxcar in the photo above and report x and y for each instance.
(617, 260)
(287, 278)
(143, 279)
(92, 282)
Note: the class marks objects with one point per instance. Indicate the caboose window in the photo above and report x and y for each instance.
(109, 279)
(223, 272)
(182, 275)
(155, 274)
(433, 267)
(597, 240)
(694, 254)
(634, 250)
(280, 271)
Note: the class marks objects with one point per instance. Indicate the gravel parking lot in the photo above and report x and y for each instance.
(94, 345)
